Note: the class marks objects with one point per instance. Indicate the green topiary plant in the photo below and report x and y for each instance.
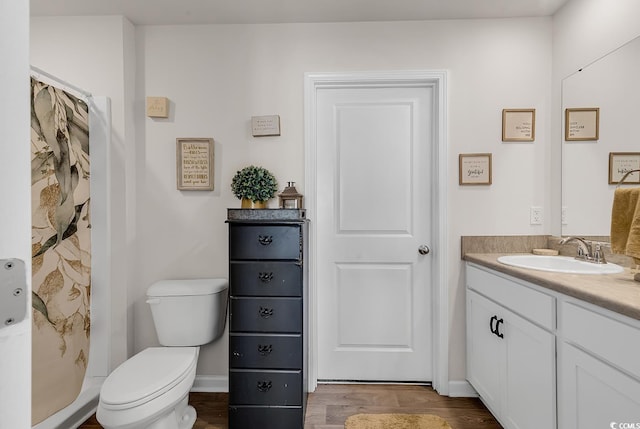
(254, 183)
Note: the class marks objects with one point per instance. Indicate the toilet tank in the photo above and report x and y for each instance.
(189, 312)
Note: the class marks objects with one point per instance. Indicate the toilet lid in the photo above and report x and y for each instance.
(148, 375)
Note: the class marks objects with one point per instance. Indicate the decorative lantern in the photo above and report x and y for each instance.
(290, 198)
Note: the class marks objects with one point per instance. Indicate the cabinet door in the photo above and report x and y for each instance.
(530, 380)
(511, 363)
(485, 350)
(595, 395)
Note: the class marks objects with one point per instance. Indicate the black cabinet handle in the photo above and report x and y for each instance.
(265, 312)
(265, 350)
(498, 333)
(265, 277)
(265, 240)
(495, 330)
(264, 386)
(491, 328)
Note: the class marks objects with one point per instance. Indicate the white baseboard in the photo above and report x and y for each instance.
(210, 383)
(207, 383)
(461, 389)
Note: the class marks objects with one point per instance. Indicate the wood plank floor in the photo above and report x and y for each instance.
(331, 404)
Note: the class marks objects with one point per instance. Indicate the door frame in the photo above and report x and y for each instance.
(437, 80)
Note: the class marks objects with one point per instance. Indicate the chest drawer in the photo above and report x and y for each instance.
(264, 242)
(275, 315)
(265, 278)
(265, 351)
(266, 417)
(282, 388)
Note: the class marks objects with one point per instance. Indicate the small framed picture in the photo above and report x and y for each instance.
(474, 168)
(621, 163)
(265, 126)
(518, 125)
(194, 164)
(582, 124)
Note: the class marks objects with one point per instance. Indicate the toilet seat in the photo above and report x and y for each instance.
(148, 375)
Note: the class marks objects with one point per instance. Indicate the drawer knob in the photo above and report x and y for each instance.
(265, 350)
(265, 240)
(265, 312)
(264, 386)
(265, 277)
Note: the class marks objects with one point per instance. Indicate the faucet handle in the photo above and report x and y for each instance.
(598, 254)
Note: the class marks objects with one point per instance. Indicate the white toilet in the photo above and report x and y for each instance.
(151, 389)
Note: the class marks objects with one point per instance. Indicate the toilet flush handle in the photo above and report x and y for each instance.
(153, 301)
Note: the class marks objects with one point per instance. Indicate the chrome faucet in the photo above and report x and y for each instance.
(590, 252)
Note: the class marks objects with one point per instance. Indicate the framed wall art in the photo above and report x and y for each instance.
(474, 168)
(265, 126)
(194, 164)
(582, 124)
(518, 125)
(620, 163)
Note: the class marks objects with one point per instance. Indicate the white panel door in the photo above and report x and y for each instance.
(374, 148)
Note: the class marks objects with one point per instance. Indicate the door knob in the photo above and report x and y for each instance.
(424, 250)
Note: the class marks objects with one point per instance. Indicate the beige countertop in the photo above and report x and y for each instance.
(615, 292)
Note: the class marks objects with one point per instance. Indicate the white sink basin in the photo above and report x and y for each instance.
(559, 264)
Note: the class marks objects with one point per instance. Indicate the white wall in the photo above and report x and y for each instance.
(218, 76)
(95, 54)
(15, 210)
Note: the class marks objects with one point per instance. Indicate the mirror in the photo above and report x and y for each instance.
(611, 84)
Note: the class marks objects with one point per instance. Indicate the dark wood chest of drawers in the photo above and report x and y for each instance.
(267, 319)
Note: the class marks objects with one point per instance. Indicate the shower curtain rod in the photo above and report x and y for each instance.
(67, 86)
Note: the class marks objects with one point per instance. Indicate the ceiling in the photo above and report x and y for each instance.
(153, 12)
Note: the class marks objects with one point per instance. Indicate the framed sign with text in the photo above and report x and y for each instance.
(582, 124)
(621, 163)
(475, 169)
(264, 126)
(518, 125)
(194, 164)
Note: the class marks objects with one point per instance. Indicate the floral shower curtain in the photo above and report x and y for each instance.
(61, 247)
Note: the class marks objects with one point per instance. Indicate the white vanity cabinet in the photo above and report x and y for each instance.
(511, 349)
(598, 369)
